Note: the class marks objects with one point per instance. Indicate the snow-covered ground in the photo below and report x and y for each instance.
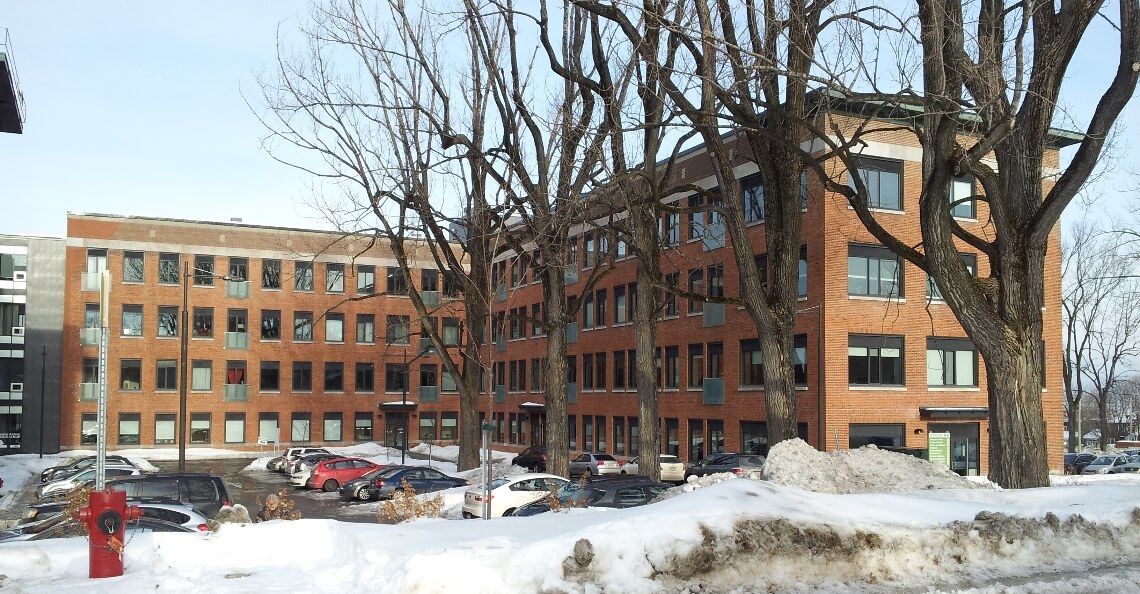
(855, 521)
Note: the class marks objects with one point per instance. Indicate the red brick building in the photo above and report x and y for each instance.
(295, 337)
(895, 363)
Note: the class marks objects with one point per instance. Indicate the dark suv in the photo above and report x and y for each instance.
(618, 491)
(206, 492)
(532, 459)
(734, 463)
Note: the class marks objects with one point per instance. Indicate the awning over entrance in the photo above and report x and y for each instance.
(532, 406)
(399, 405)
(953, 412)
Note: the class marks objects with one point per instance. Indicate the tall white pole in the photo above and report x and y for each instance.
(101, 422)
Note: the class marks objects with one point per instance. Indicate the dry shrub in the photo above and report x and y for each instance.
(284, 511)
(404, 506)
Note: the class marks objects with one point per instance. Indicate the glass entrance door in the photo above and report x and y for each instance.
(395, 429)
(963, 446)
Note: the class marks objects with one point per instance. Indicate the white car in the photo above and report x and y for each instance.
(83, 478)
(300, 478)
(1106, 464)
(510, 493)
(672, 469)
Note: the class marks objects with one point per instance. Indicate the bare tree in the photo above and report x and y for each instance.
(991, 86)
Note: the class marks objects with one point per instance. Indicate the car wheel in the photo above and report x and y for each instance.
(509, 512)
(623, 472)
(363, 494)
(330, 486)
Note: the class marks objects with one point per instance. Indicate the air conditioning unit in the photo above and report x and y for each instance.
(20, 275)
(16, 387)
(17, 330)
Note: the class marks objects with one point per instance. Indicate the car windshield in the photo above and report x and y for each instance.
(668, 459)
(1103, 461)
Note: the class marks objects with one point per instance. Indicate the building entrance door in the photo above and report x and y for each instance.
(395, 429)
(963, 446)
(537, 429)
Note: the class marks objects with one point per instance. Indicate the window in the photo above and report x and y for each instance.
(600, 301)
(537, 375)
(302, 376)
(932, 292)
(802, 283)
(204, 271)
(334, 421)
(201, 373)
(672, 440)
(166, 375)
(366, 280)
(962, 188)
(235, 427)
(303, 326)
(133, 271)
(270, 376)
(239, 269)
(752, 194)
(268, 426)
(621, 313)
(951, 362)
(96, 260)
(130, 375)
(696, 365)
(451, 331)
(200, 428)
(716, 280)
(301, 426)
(588, 311)
(873, 271)
(451, 284)
(168, 269)
(588, 371)
(270, 324)
(621, 250)
(671, 228)
(334, 327)
(88, 429)
(619, 370)
(90, 370)
(271, 274)
(799, 346)
(619, 435)
(762, 270)
(891, 436)
(429, 375)
(875, 360)
(696, 219)
(235, 373)
(91, 318)
(362, 426)
(672, 367)
(365, 328)
(600, 371)
(448, 383)
(167, 321)
(203, 322)
(696, 439)
(697, 287)
(448, 425)
(365, 377)
(132, 320)
(164, 425)
(429, 280)
(334, 377)
(751, 363)
(632, 356)
(398, 329)
(129, 428)
(395, 377)
(303, 276)
(591, 249)
(883, 179)
(334, 278)
(715, 363)
(572, 253)
(571, 369)
(236, 321)
(670, 298)
(397, 281)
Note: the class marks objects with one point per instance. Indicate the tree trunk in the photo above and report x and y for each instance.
(557, 459)
(470, 438)
(644, 223)
(1017, 425)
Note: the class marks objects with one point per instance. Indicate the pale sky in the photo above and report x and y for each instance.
(136, 107)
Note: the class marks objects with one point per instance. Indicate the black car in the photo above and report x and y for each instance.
(206, 492)
(532, 459)
(383, 482)
(1075, 463)
(58, 472)
(619, 492)
(734, 463)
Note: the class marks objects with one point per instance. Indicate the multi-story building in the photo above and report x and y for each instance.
(880, 358)
(294, 336)
(31, 325)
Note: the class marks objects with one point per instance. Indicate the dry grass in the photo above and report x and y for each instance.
(284, 510)
(404, 506)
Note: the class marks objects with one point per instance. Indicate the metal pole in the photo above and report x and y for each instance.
(43, 399)
(182, 364)
(819, 379)
(404, 405)
(101, 417)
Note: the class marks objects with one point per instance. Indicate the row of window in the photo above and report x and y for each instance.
(333, 376)
(883, 179)
(272, 273)
(398, 328)
(875, 271)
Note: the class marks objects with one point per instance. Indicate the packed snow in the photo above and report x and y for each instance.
(864, 520)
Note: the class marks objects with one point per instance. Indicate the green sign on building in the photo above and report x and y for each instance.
(938, 448)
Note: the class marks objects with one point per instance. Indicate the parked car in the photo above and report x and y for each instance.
(308, 461)
(617, 492)
(206, 492)
(734, 463)
(510, 493)
(1075, 463)
(292, 454)
(81, 479)
(672, 469)
(64, 525)
(70, 472)
(1105, 464)
(163, 509)
(1133, 465)
(532, 459)
(590, 464)
(48, 474)
(383, 484)
(331, 474)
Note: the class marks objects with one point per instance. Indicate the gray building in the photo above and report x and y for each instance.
(31, 334)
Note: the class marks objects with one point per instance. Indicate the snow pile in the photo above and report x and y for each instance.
(794, 463)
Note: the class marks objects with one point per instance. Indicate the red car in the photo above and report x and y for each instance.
(331, 474)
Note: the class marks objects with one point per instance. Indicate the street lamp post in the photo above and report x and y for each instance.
(43, 399)
(404, 407)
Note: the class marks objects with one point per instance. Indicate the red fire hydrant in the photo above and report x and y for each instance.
(106, 516)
